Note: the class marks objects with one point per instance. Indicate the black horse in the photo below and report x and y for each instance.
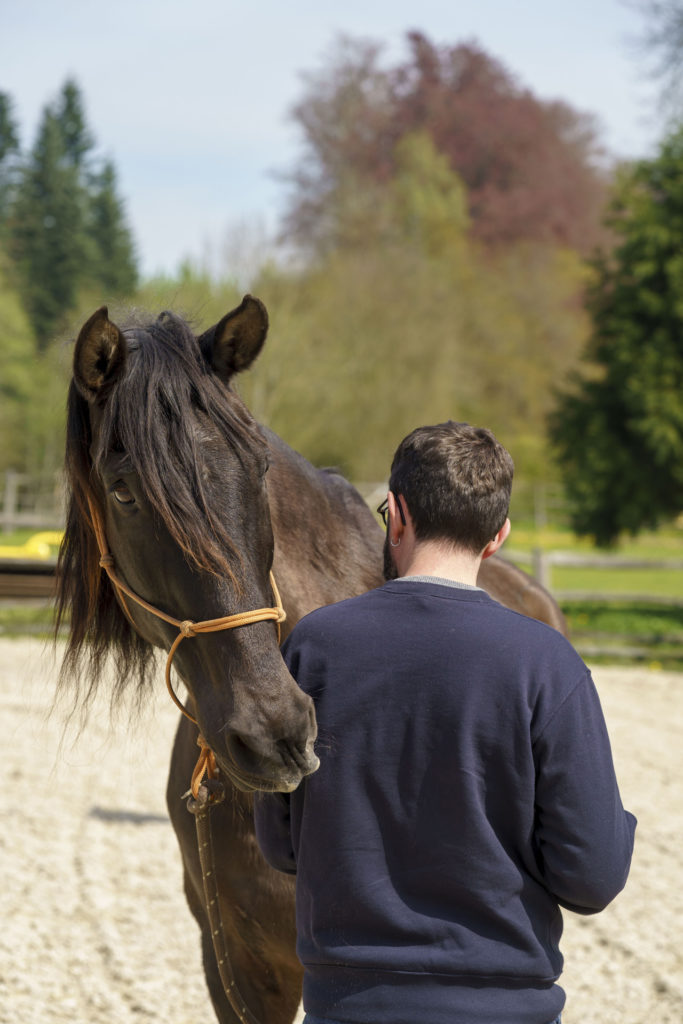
(197, 503)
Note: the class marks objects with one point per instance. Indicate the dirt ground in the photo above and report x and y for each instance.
(94, 927)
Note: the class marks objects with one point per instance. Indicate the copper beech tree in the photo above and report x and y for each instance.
(532, 168)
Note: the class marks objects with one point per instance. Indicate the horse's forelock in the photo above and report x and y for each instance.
(151, 415)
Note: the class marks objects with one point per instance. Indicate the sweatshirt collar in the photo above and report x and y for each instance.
(441, 580)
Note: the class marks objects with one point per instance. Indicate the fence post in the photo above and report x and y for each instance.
(541, 564)
(540, 507)
(10, 501)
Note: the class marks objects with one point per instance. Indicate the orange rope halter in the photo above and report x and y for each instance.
(206, 763)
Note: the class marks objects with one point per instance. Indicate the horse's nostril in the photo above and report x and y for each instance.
(299, 755)
(270, 759)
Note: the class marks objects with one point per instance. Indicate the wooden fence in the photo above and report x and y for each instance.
(31, 502)
(663, 647)
(541, 562)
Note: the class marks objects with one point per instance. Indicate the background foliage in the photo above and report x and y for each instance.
(532, 169)
(444, 227)
(619, 432)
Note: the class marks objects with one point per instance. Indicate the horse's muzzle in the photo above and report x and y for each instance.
(258, 761)
(269, 777)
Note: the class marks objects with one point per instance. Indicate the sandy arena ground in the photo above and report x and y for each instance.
(94, 927)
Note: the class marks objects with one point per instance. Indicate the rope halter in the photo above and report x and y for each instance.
(206, 763)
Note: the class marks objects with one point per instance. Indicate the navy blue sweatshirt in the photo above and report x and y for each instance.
(466, 791)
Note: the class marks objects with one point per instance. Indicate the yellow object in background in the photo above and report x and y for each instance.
(38, 546)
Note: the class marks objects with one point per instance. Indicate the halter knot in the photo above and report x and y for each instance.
(187, 628)
(206, 765)
(106, 561)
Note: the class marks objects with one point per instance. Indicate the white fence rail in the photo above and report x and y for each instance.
(30, 502)
(662, 647)
(541, 563)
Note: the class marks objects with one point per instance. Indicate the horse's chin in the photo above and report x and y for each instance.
(287, 782)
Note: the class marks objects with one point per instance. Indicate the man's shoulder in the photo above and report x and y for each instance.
(330, 630)
(347, 609)
(511, 633)
(530, 633)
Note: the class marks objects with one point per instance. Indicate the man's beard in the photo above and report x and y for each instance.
(390, 570)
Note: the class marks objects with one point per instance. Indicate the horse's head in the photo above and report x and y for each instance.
(163, 453)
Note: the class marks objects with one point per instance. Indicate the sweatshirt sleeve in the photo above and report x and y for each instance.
(584, 835)
(273, 833)
(272, 817)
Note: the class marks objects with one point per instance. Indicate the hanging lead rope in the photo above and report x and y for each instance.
(204, 794)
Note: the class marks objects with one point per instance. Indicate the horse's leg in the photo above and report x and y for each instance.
(257, 904)
(269, 982)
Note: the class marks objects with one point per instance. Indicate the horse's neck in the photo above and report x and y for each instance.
(328, 545)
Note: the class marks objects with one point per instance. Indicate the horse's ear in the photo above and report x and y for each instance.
(99, 355)
(234, 342)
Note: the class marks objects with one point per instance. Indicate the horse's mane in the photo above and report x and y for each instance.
(147, 414)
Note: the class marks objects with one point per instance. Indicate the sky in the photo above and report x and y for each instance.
(192, 100)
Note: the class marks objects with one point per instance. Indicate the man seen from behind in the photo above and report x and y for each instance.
(466, 790)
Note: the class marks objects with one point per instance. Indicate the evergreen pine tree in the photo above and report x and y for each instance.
(67, 224)
(70, 115)
(113, 265)
(619, 432)
(9, 156)
(48, 236)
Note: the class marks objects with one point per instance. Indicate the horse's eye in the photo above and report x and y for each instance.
(122, 495)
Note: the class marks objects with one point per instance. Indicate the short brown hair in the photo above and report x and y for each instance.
(456, 480)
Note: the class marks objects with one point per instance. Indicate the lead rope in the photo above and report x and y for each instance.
(202, 794)
(211, 792)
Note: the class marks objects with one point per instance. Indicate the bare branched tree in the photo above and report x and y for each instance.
(661, 45)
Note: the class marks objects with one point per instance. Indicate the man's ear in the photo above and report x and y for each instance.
(498, 541)
(396, 519)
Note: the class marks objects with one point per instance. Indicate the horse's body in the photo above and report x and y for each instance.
(167, 454)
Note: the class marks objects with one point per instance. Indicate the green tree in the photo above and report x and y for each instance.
(49, 244)
(113, 265)
(32, 387)
(408, 322)
(619, 430)
(423, 206)
(9, 155)
(427, 200)
(16, 353)
(69, 112)
(68, 229)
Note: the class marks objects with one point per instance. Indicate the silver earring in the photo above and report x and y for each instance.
(397, 544)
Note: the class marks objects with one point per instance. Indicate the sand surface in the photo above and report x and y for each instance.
(94, 927)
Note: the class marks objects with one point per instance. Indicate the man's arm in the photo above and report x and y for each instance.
(584, 835)
(272, 820)
(273, 834)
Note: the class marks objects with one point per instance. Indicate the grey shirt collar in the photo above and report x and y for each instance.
(441, 580)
